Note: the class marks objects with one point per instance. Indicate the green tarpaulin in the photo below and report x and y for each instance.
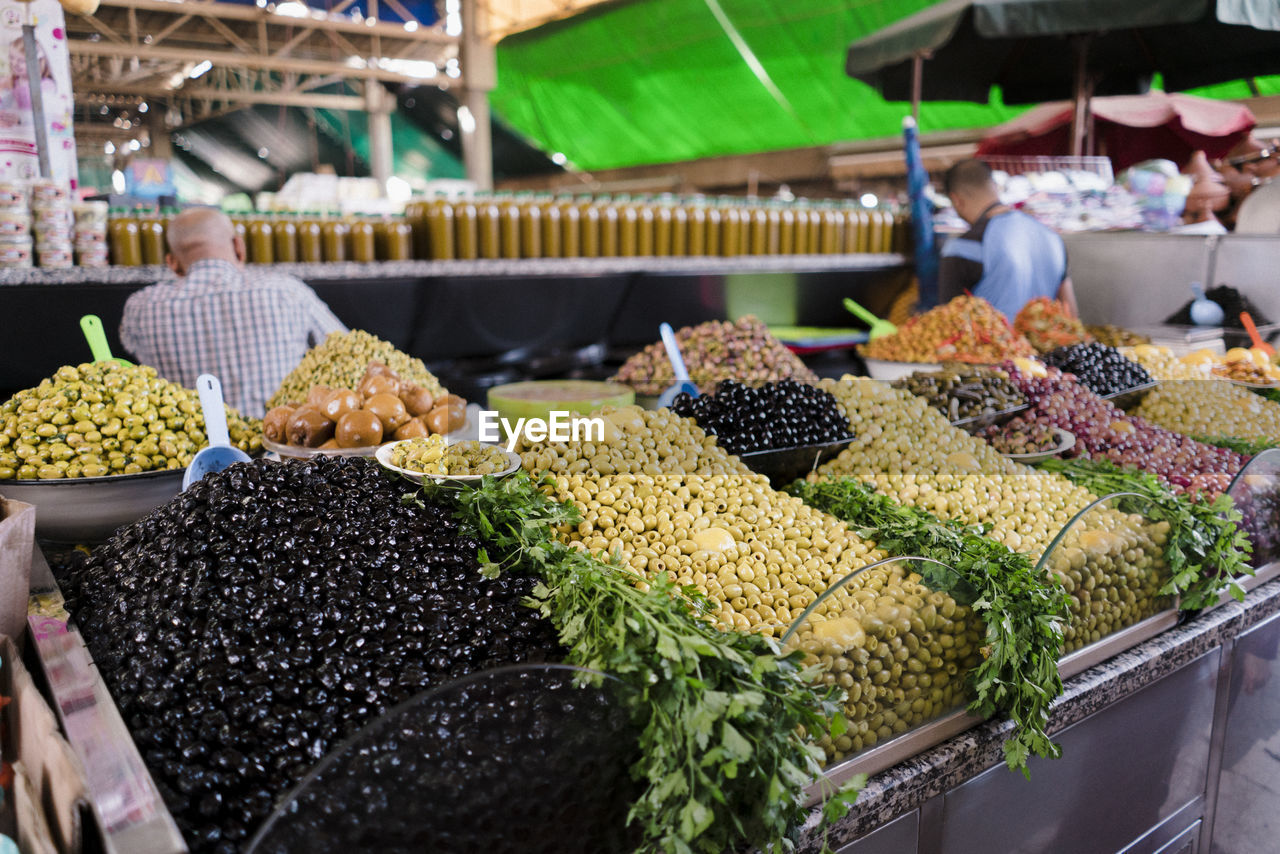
(655, 81)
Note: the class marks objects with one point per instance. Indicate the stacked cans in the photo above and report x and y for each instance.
(91, 233)
(52, 222)
(15, 227)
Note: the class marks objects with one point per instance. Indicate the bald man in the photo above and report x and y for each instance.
(247, 327)
(1005, 257)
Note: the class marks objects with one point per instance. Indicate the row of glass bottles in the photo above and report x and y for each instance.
(139, 238)
(539, 226)
(542, 226)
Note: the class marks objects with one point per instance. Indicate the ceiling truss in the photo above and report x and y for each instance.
(149, 49)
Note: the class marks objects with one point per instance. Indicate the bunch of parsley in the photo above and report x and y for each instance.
(725, 718)
(1023, 611)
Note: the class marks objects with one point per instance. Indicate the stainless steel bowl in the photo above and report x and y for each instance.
(89, 509)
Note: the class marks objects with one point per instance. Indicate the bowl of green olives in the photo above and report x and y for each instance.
(434, 458)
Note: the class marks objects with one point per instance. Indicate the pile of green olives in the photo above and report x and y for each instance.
(104, 418)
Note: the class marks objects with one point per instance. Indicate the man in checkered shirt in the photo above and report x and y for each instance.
(248, 328)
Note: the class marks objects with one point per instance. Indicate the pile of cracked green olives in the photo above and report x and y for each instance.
(462, 459)
(103, 418)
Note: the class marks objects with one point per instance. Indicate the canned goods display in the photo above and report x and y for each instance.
(14, 223)
(54, 254)
(15, 252)
(13, 196)
(45, 193)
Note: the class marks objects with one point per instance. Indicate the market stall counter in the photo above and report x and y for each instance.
(1157, 742)
(441, 311)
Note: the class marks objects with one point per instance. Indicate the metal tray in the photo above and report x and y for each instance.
(1066, 441)
(1130, 397)
(974, 423)
(933, 733)
(783, 465)
(89, 509)
(1117, 642)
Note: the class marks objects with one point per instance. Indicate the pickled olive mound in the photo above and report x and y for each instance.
(340, 362)
(761, 556)
(1112, 562)
(1116, 336)
(967, 329)
(773, 415)
(101, 418)
(900, 652)
(713, 351)
(1099, 368)
(1190, 402)
(960, 392)
(1104, 432)
(468, 459)
(636, 441)
(1047, 325)
(424, 455)
(264, 615)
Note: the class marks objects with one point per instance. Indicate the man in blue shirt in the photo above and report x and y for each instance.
(1005, 257)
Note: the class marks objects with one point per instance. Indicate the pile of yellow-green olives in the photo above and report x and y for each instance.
(636, 441)
(104, 418)
(340, 361)
(1112, 562)
(899, 650)
(663, 497)
(1191, 401)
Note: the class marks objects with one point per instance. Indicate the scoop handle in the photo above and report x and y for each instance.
(860, 312)
(91, 325)
(215, 416)
(673, 352)
(1247, 319)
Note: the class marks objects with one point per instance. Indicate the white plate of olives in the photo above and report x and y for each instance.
(1066, 441)
(463, 462)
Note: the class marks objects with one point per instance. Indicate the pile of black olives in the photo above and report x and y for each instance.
(252, 623)
(783, 414)
(1099, 368)
(517, 760)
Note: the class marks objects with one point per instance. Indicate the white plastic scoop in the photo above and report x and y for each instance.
(219, 454)
(682, 383)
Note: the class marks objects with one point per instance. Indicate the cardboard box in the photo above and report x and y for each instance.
(49, 780)
(17, 540)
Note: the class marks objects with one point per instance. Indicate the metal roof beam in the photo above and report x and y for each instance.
(238, 12)
(204, 93)
(248, 60)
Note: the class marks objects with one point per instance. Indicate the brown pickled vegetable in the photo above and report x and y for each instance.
(275, 424)
(358, 429)
(389, 409)
(339, 403)
(341, 362)
(417, 400)
(308, 428)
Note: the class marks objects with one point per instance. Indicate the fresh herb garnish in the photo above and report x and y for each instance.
(1247, 447)
(1206, 550)
(724, 756)
(1022, 610)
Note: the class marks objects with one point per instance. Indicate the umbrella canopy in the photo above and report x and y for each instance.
(1128, 128)
(1030, 47)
